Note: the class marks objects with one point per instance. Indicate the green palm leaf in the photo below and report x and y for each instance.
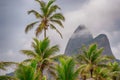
(53, 27)
(57, 16)
(40, 29)
(29, 53)
(7, 78)
(3, 65)
(66, 70)
(37, 14)
(57, 22)
(51, 51)
(30, 26)
(52, 9)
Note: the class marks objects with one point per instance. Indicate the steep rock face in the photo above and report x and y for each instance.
(103, 41)
(81, 37)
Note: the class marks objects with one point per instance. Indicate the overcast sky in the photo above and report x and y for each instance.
(99, 16)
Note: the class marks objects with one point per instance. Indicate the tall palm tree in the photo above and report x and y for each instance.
(46, 17)
(114, 70)
(42, 52)
(67, 70)
(91, 58)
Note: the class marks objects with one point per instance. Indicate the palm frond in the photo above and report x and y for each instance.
(66, 69)
(57, 57)
(40, 29)
(43, 6)
(30, 26)
(58, 16)
(27, 60)
(53, 27)
(42, 3)
(49, 4)
(3, 65)
(57, 22)
(45, 44)
(25, 72)
(7, 78)
(35, 43)
(29, 53)
(37, 14)
(52, 9)
(51, 51)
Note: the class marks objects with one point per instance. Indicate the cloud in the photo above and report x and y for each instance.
(116, 51)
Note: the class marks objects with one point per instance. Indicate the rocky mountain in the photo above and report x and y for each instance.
(103, 41)
(81, 37)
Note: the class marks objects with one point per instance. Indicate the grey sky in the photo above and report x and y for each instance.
(99, 16)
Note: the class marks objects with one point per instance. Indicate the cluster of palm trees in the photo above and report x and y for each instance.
(44, 63)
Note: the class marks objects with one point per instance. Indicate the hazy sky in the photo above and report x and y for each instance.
(99, 16)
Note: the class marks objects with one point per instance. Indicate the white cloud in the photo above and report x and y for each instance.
(116, 51)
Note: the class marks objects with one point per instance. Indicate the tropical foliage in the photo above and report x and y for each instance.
(27, 72)
(3, 65)
(42, 53)
(66, 69)
(46, 17)
(91, 59)
(114, 70)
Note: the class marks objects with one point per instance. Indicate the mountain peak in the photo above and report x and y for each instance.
(82, 36)
(80, 28)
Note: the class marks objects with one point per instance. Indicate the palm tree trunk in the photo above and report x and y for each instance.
(40, 70)
(114, 78)
(84, 77)
(91, 73)
(44, 33)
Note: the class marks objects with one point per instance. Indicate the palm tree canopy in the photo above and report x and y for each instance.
(41, 49)
(66, 69)
(91, 59)
(27, 72)
(42, 53)
(46, 17)
(114, 68)
(102, 73)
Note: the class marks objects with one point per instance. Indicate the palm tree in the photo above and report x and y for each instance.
(27, 72)
(114, 70)
(92, 58)
(66, 69)
(46, 18)
(42, 53)
(102, 74)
